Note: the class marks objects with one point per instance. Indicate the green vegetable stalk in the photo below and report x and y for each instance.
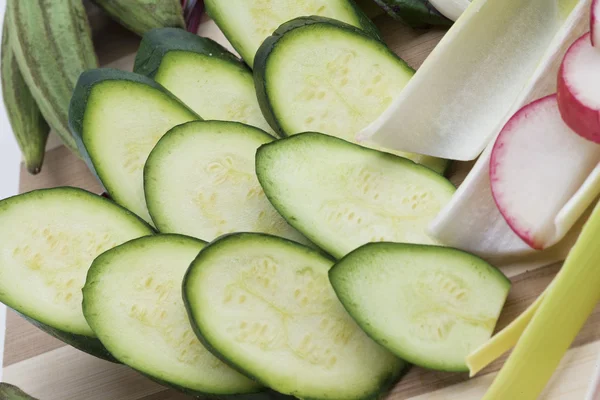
(566, 305)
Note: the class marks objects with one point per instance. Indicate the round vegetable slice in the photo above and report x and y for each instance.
(341, 195)
(579, 87)
(266, 306)
(200, 181)
(319, 74)
(132, 299)
(49, 239)
(429, 305)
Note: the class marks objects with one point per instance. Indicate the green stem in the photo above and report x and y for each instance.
(564, 309)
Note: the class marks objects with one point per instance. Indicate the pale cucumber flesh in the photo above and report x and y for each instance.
(132, 299)
(49, 239)
(341, 195)
(430, 305)
(122, 123)
(265, 304)
(326, 79)
(200, 181)
(247, 23)
(212, 87)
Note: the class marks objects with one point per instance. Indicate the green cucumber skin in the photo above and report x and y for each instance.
(380, 394)
(365, 22)
(158, 42)
(270, 43)
(141, 16)
(11, 392)
(81, 94)
(53, 44)
(414, 13)
(86, 344)
(340, 265)
(291, 219)
(29, 126)
(89, 345)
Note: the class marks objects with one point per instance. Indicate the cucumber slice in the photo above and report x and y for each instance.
(200, 181)
(246, 23)
(266, 306)
(117, 117)
(49, 239)
(430, 305)
(132, 300)
(202, 73)
(317, 74)
(341, 195)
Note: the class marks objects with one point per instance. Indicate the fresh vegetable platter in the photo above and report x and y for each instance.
(341, 318)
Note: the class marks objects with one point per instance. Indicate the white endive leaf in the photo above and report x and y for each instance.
(451, 9)
(471, 221)
(464, 91)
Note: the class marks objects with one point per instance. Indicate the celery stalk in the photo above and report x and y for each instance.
(564, 309)
(501, 342)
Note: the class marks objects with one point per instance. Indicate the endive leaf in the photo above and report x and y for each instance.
(464, 92)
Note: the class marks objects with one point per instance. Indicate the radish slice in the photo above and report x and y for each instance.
(595, 23)
(579, 89)
(487, 234)
(538, 164)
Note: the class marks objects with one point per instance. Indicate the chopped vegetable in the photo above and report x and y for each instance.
(26, 120)
(578, 86)
(414, 13)
(457, 100)
(537, 156)
(247, 23)
(265, 305)
(49, 239)
(203, 74)
(423, 303)
(200, 181)
(471, 221)
(117, 118)
(141, 16)
(566, 305)
(192, 13)
(341, 195)
(132, 300)
(503, 341)
(347, 80)
(52, 43)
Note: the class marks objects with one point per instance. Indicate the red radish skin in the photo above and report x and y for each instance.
(537, 164)
(579, 89)
(595, 23)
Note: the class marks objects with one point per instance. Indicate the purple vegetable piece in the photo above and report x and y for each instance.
(192, 13)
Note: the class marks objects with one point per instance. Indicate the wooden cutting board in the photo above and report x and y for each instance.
(49, 370)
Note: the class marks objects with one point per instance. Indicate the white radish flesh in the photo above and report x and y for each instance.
(537, 165)
(579, 89)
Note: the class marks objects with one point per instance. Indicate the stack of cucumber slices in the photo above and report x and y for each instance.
(232, 259)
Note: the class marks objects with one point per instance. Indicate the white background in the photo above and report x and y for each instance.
(10, 159)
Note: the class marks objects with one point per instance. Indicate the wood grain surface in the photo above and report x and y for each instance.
(49, 370)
